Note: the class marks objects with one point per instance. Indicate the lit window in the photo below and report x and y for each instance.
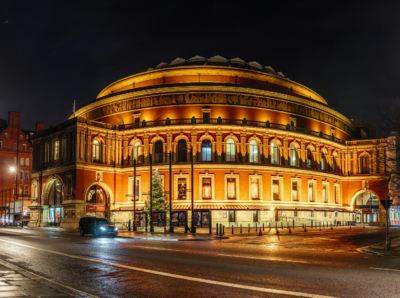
(322, 162)
(294, 191)
(293, 156)
(21, 161)
(206, 150)
(231, 184)
(253, 151)
(57, 150)
(15, 160)
(136, 151)
(21, 188)
(230, 150)
(206, 191)
(336, 193)
(255, 189)
(182, 188)
(274, 154)
(27, 161)
(311, 192)
(324, 193)
(20, 137)
(275, 189)
(96, 151)
(26, 175)
(255, 216)
(23, 147)
(26, 190)
(6, 135)
(333, 164)
(309, 159)
(21, 176)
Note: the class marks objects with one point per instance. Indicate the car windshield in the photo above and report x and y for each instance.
(103, 221)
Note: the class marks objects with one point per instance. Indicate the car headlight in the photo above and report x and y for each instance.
(116, 229)
(102, 228)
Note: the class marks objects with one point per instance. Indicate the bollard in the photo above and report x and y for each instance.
(269, 227)
(210, 231)
(256, 227)
(223, 230)
(311, 224)
(331, 227)
(276, 229)
(290, 230)
(320, 226)
(129, 225)
(281, 225)
(220, 230)
(249, 228)
(263, 226)
(293, 224)
(232, 229)
(217, 229)
(240, 228)
(305, 228)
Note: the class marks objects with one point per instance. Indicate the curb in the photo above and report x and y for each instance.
(377, 253)
(160, 239)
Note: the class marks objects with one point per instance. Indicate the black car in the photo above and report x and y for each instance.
(97, 227)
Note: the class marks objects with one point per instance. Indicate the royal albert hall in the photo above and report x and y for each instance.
(264, 149)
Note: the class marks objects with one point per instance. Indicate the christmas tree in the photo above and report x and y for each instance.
(160, 203)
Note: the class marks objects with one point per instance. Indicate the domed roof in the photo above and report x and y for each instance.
(219, 61)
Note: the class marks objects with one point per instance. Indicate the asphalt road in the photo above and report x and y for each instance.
(312, 264)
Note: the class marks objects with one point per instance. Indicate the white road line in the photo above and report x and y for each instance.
(398, 270)
(38, 277)
(264, 259)
(195, 279)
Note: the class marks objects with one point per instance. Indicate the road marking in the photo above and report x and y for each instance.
(385, 269)
(195, 279)
(38, 277)
(264, 259)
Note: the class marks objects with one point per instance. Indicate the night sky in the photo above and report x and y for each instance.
(52, 52)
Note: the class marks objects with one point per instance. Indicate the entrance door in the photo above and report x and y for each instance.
(58, 216)
(232, 216)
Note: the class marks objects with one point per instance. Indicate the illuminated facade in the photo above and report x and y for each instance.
(265, 148)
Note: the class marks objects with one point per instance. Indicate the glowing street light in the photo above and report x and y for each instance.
(12, 169)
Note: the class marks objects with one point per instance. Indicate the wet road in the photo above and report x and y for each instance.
(312, 264)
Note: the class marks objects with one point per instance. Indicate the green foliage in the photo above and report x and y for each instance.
(160, 202)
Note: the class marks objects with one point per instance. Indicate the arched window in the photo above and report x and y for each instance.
(158, 151)
(96, 151)
(23, 147)
(323, 162)
(206, 150)
(22, 161)
(333, 164)
(26, 175)
(253, 148)
(364, 164)
(182, 151)
(27, 161)
(274, 154)
(136, 151)
(20, 137)
(6, 135)
(293, 156)
(1, 144)
(55, 194)
(26, 191)
(309, 159)
(96, 195)
(230, 151)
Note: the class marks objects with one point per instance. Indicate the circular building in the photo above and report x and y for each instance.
(263, 148)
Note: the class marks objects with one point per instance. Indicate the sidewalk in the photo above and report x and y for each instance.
(14, 284)
(380, 249)
(166, 237)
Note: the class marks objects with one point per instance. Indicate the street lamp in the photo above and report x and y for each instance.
(14, 169)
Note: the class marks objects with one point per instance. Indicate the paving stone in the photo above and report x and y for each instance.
(8, 288)
(12, 294)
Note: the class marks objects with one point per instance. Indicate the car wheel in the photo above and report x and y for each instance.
(81, 232)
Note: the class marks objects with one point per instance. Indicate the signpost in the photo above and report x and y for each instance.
(386, 202)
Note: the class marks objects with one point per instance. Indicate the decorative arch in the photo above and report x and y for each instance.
(360, 192)
(98, 138)
(48, 184)
(277, 141)
(324, 150)
(311, 147)
(157, 138)
(206, 136)
(334, 153)
(295, 144)
(180, 137)
(365, 153)
(255, 138)
(233, 137)
(135, 140)
(105, 186)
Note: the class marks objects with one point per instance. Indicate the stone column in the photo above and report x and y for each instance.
(318, 157)
(146, 144)
(219, 145)
(243, 148)
(194, 142)
(125, 150)
(355, 163)
(265, 140)
(373, 161)
(303, 152)
(169, 141)
(88, 146)
(285, 150)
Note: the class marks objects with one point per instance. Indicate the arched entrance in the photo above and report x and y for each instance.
(53, 199)
(97, 201)
(366, 206)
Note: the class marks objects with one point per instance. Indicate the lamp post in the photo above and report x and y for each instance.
(193, 229)
(151, 192)
(171, 228)
(13, 169)
(134, 195)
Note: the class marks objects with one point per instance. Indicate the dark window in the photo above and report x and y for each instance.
(206, 150)
(182, 151)
(309, 159)
(232, 216)
(158, 152)
(364, 164)
(255, 216)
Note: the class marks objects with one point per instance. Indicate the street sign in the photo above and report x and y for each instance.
(386, 203)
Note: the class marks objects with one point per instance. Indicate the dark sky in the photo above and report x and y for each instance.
(52, 52)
